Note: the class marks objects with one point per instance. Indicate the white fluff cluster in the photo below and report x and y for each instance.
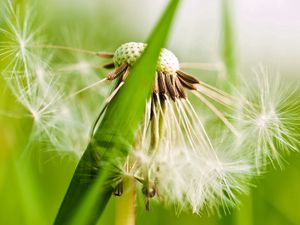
(61, 119)
(266, 116)
(185, 168)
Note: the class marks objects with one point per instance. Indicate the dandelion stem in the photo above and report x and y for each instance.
(157, 124)
(126, 203)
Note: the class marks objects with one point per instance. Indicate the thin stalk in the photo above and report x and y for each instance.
(66, 48)
(77, 50)
(228, 46)
(126, 203)
(157, 129)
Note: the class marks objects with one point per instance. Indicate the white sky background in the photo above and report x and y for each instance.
(266, 31)
(269, 32)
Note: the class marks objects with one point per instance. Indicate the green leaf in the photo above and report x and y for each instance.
(90, 187)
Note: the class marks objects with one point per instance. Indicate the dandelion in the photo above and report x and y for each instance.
(174, 158)
(266, 117)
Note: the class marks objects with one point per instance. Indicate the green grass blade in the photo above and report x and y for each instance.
(228, 50)
(89, 190)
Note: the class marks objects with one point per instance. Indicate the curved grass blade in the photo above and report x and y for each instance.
(90, 188)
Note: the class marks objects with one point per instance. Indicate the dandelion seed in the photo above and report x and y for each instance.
(266, 116)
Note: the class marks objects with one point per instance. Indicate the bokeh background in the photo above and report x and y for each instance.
(264, 32)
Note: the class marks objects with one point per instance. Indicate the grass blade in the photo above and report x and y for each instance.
(228, 50)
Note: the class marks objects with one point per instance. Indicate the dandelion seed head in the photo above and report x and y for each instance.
(167, 62)
(130, 52)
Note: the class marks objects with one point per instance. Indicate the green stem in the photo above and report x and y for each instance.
(126, 203)
(157, 124)
(228, 43)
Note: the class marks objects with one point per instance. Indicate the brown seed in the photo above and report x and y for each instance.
(171, 87)
(180, 88)
(106, 55)
(109, 66)
(161, 83)
(186, 84)
(112, 75)
(186, 77)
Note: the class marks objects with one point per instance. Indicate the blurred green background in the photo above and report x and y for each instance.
(32, 189)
